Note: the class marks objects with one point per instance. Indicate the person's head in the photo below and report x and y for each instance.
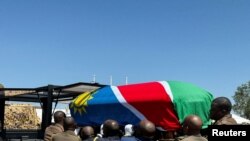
(69, 124)
(192, 125)
(59, 116)
(111, 128)
(220, 107)
(86, 132)
(129, 130)
(146, 129)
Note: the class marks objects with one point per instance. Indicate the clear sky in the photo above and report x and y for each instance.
(61, 42)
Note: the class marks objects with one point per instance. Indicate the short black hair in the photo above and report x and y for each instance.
(59, 116)
(223, 103)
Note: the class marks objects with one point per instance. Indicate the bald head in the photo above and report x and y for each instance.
(69, 124)
(220, 107)
(87, 132)
(59, 116)
(192, 124)
(147, 128)
(111, 128)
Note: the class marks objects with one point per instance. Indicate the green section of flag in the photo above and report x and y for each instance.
(190, 99)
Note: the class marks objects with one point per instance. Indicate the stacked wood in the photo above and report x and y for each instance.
(21, 116)
(17, 92)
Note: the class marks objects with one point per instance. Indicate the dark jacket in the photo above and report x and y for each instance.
(128, 138)
(144, 139)
(113, 138)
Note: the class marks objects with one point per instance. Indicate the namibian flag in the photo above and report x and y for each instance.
(165, 103)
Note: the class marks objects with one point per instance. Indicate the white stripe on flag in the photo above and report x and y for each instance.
(167, 88)
(125, 104)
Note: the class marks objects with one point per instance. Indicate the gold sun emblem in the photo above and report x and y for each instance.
(81, 102)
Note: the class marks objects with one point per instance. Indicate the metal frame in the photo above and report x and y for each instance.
(45, 95)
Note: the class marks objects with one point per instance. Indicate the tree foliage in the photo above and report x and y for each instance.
(242, 100)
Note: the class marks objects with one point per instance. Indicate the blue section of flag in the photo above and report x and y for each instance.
(103, 106)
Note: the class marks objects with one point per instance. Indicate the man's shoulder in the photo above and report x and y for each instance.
(57, 135)
(194, 138)
(226, 120)
(51, 131)
(66, 136)
(71, 134)
(55, 127)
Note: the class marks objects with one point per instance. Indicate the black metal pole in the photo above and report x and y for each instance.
(2, 107)
(47, 108)
(2, 104)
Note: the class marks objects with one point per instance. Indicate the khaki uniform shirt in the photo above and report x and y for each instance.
(52, 130)
(194, 138)
(66, 136)
(226, 120)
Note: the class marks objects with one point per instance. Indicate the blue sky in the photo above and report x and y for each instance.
(60, 42)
